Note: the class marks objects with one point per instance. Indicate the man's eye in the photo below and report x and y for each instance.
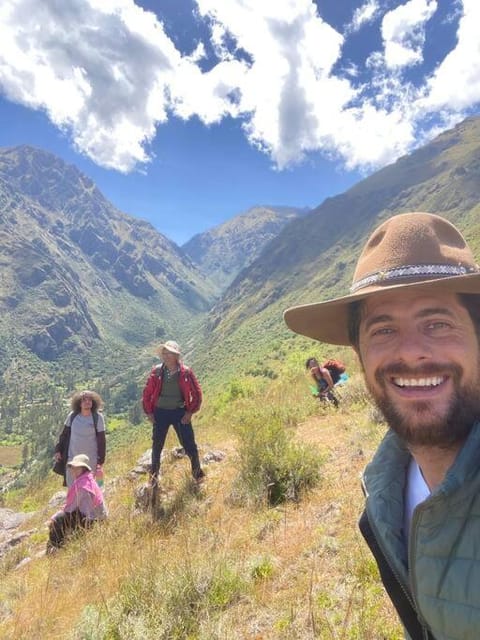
(382, 331)
(438, 324)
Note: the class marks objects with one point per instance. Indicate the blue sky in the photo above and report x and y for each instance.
(188, 112)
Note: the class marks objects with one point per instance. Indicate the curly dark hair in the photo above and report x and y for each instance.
(97, 402)
(307, 363)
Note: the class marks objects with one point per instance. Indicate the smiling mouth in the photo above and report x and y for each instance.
(425, 383)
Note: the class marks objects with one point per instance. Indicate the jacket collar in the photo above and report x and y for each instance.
(384, 482)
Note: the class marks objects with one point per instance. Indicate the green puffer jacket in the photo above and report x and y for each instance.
(441, 574)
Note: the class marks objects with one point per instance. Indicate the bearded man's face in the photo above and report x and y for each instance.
(420, 356)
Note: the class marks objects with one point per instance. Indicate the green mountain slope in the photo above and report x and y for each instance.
(313, 257)
(77, 274)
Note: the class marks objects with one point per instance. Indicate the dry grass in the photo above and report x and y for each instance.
(10, 456)
(209, 569)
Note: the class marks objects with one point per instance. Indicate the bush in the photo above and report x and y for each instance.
(272, 467)
(171, 604)
(262, 568)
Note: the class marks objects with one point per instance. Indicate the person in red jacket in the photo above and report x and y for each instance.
(171, 396)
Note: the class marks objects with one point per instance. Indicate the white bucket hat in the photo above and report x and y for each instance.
(171, 346)
(81, 460)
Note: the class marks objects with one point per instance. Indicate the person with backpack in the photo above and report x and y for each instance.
(325, 379)
(83, 433)
(336, 369)
(83, 506)
(171, 396)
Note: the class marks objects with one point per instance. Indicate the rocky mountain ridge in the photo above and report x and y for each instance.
(222, 252)
(80, 277)
(76, 270)
(78, 273)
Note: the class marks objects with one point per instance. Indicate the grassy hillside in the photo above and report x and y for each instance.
(220, 563)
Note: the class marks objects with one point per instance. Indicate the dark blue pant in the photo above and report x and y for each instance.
(162, 419)
(63, 525)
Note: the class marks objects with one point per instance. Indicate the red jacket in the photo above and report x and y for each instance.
(189, 388)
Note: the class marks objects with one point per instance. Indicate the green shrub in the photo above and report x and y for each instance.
(236, 389)
(272, 467)
(168, 603)
(262, 568)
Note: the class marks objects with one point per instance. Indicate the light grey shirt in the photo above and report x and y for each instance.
(83, 439)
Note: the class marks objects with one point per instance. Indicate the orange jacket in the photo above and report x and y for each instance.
(188, 383)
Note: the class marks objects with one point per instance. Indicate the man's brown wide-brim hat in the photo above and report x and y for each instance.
(410, 250)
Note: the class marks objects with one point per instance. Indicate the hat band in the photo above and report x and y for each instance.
(412, 271)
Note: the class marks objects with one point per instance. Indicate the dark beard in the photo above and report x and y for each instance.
(442, 431)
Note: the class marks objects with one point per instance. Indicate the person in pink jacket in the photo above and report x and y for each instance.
(84, 504)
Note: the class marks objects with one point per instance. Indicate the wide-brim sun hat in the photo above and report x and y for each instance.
(171, 346)
(80, 460)
(408, 251)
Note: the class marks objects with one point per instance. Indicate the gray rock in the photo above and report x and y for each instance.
(11, 519)
(57, 499)
(13, 540)
(213, 456)
(143, 463)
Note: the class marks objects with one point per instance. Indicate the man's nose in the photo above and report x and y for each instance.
(413, 345)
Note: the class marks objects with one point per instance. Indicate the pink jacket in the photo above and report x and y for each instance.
(85, 495)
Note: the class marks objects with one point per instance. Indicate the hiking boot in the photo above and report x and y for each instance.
(198, 475)
(51, 549)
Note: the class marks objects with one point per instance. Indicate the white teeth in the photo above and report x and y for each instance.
(418, 382)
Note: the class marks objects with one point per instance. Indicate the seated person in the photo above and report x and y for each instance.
(84, 503)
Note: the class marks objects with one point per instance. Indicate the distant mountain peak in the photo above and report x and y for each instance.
(223, 251)
(46, 178)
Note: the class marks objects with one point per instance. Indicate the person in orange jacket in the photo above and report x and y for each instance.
(171, 396)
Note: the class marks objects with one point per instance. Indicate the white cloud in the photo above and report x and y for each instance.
(289, 85)
(107, 72)
(455, 85)
(403, 31)
(93, 68)
(103, 71)
(364, 14)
